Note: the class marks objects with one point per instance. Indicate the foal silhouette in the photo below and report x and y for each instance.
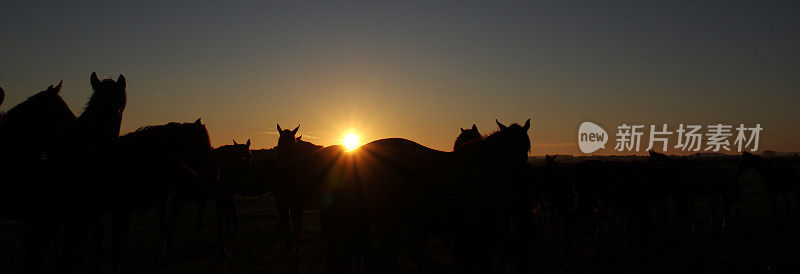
(236, 176)
(779, 179)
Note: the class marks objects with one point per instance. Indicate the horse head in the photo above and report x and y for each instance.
(467, 136)
(235, 162)
(42, 110)
(287, 142)
(512, 142)
(195, 146)
(106, 104)
(550, 160)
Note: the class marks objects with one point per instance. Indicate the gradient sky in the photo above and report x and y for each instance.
(417, 70)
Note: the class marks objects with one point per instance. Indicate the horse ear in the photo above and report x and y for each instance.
(502, 126)
(298, 138)
(527, 125)
(54, 90)
(121, 81)
(197, 121)
(474, 127)
(279, 128)
(462, 129)
(295, 129)
(234, 142)
(248, 143)
(94, 80)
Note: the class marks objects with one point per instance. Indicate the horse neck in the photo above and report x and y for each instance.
(96, 124)
(489, 149)
(288, 151)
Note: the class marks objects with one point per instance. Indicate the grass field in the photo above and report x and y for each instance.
(750, 244)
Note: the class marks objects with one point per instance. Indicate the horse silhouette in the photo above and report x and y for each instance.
(236, 176)
(150, 164)
(290, 209)
(396, 186)
(632, 185)
(556, 189)
(467, 136)
(33, 122)
(87, 146)
(778, 179)
(28, 139)
(687, 180)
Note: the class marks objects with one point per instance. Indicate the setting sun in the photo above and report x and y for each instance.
(350, 141)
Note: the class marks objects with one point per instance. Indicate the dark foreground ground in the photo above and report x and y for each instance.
(750, 244)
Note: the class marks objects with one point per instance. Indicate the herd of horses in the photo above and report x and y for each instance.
(62, 173)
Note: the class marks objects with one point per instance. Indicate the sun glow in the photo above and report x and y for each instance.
(350, 141)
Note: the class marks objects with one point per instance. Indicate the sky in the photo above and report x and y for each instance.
(417, 70)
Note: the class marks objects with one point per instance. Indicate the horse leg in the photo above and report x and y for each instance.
(232, 213)
(692, 213)
(97, 235)
(161, 211)
(228, 201)
(788, 204)
(220, 206)
(471, 254)
(201, 209)
(73, 253)
(283, 221)
(120, 227)
(772, 205)
(726, 210)
(527, 241)
(223, 204)
(37, 235)
(297, 228)
(712, 207)
(172, 220)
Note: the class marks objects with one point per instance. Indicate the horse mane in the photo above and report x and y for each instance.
(33, 101)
